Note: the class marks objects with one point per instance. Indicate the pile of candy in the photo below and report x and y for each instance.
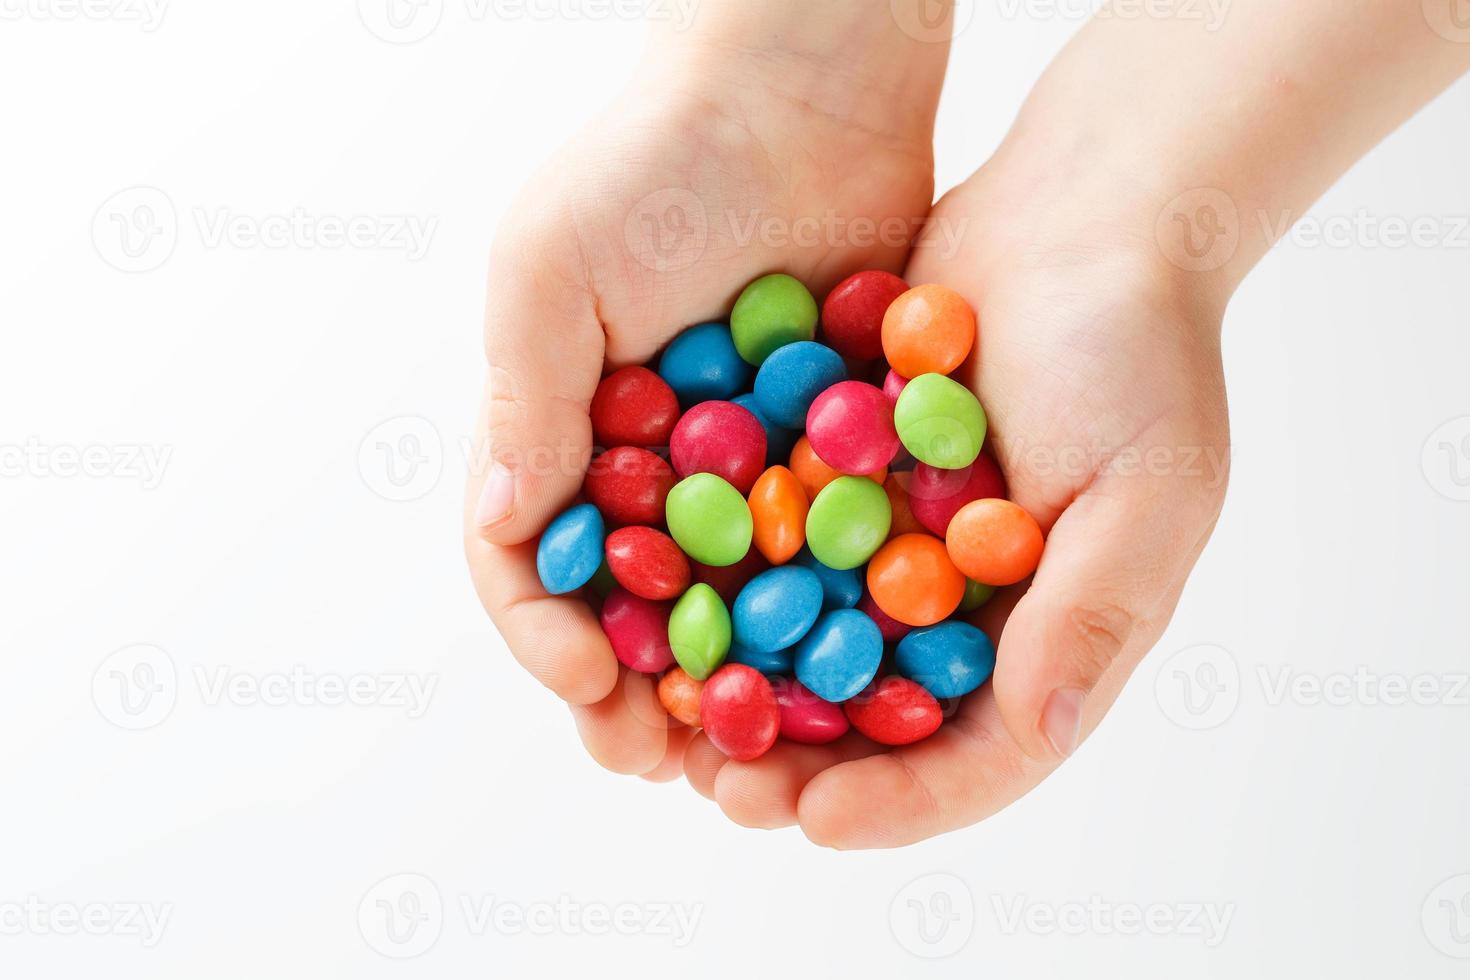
(736, 564)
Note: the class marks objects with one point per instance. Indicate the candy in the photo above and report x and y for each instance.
(633, 407)
(777, 608)
(699, 631)
(928, 330)
(815, 474)
(570, 550)
(720, 438)
(940, 421)
(702, 365)
(778, 508)
(913, 580)
(891, 629)
(709, 519)
(603, 582)
(893, 385)
(850, 428)
(629, 485)
(778, 440)
(848, 522)
(805, 717)
(936, 495)
(976, 595)
(840, 655)
(728, 580)
(638, 630)
(950, 660)
(904, 521)
(791, 379)
(679, 694)
(895, 711)
(994, 542)
(739, 712)
(772, 312)
(852, 315)
(841, 588)
(647, 563)
(773, 662)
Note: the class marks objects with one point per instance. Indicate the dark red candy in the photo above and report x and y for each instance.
(892, 629)
(720, 438)
(629, 485)
(633, 407)
(638, 630)
(647, 563)
(729, 580)
(936, 495)
(894, 711)
(805, 717)
(852, 316)
(739, 712)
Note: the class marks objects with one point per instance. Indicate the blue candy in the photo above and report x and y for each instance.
(570, 552)
(702, 365)
(950, 659)
(776, 608)
(840, 656)
(840, 589)
(779, 441)
(792, 378)
(767, 663)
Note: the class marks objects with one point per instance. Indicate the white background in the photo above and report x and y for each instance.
(1330, 834)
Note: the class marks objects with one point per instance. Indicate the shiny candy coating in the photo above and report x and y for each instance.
(709, 519)
(739, 712)
(840, 655)
(852, 314)
(679, 694)
(928, 330)
(895, 711)
(702, 365)
(940, 421)
(806, 718)
(778, 508)
(994, 542)
(891, 629)
(772, 663)
(699, 631)
(792, 378)
(776, 608)
(913, 580)
(638, 630)
(720, 438)
(570, 550)
(893, 385)
(848, 522)
(850, 428)
(629, 485)
(841, 589)
(815, 474)
(647, 563)
(936, 495)
(772, 312)
(976, 595)
(950, 659)
(633, 407)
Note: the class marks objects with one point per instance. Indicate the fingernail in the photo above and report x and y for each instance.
(1061, 720)
(497, 497)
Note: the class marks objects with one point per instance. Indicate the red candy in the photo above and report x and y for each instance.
(850, 428)
(936, 495)
(647, 563)
(633, 407)
(729, 580)
(805, 717)
(629, 485)
(893, 385)
(892, 629)
(895, 711)
(720, 438)
(739, 713)
(852, 316)
(638, 630)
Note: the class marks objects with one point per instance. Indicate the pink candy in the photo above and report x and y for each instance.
(638, 630)
(805, 717)
(850, 428)
(893, 385)
(936, 495)
(720, 438)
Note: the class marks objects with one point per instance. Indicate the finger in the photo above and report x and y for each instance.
(620, 731)
(702, 764)
(763, 793)
(671, 767)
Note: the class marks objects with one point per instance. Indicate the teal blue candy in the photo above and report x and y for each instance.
(792, 378)
(840, 655)
(841, 589)
(702, 365)
(776, 608)
(709, 520)
(848, 522)
(770, 664)
(570, 550)
(950, 659)
(772, 312)
(699, 631)
(940, 422)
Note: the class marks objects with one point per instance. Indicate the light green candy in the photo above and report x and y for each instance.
(709, 520)
(940, 421)
(699, 631)
(976, 595)
(772, 312)
(848, 522)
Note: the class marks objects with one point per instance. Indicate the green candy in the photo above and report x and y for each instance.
(976, 595)
(772, 312)
(940, 421)
(709, 520)
(848, 522)
(699, 631)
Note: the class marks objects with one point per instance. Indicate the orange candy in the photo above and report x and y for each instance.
(679, 694)
(994, 542)
(928, 330)
(912, 579)
(778, 506)
(904, 521)
(815, 474)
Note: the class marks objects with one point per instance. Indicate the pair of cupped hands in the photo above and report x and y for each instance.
(1097, 361)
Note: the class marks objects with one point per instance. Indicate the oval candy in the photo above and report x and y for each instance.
(679, 694)
(806, 718)
(570, 550)
(895, 711)
(950, 659)
(709, 519)
(647, 563)
(699, 631)
(629, 485)
(772, 312)
(840, 655)
(778, 509)
(791, 379)
(852, 314)
(720, 438)
(702, 365)
(940, 421)
(995, 542)
(633, 407)
(848, 522)
(850, 428)
(776, 608)
(913, 580)
(775, 662)
(638, 630)
(936, 495)
(739, 713)
(928, 330)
